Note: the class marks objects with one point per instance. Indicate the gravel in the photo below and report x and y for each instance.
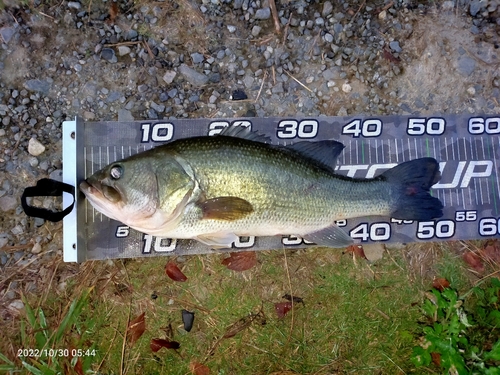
(59, 60)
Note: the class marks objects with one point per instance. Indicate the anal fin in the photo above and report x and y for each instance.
(332, 236)
(218, 240)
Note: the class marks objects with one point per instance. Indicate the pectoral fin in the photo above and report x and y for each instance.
(330, 237)
(225, 208)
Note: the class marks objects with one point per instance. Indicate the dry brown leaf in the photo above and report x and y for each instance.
(241, 260)
(157, 344)
(357, 250)
(242, 324)
(491, 251)
(436, 359)
(113, 12)
(282, 308)
(174, 272)
(79, 366)
(474, 260)
(440, 284)
(136, 328)
(199, 369)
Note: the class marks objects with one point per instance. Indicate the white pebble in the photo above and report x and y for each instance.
(346, 88)
(35, 148)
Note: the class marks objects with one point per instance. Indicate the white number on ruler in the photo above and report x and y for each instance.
(421, 126)
(374, 232)
(122, 231)
(367, 128)
(159, 244)
(294, 129)
(489, 226)
(158, 132)
(466, 215)
(478, 125)
(440, 229)
(244, 242)
(217, 126)
(294, 240)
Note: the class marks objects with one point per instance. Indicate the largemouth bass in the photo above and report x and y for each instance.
(214, 189)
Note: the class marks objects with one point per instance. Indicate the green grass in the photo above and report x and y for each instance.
(356, 317)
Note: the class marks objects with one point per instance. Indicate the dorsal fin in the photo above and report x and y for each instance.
(244, 132)
(323, 152)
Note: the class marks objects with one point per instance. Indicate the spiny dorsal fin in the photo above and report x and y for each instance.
(244, 132)
(323, 152)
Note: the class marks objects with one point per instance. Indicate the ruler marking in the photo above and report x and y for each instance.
(496, 174)
(463, 198)
(446, 148)
(488, 195)
(92, 171)
(85, 176)
(123, 153)
(465, 150)
(452, 149)
(397, 151)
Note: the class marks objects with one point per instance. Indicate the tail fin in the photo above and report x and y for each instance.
(411, 183)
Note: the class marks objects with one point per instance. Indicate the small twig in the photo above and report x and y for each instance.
(122, 44)
(296, 80)
(291, 296)
(387, 6)
(285, 33)
(355, 14)
(478, 59)
(274, 12)
(46, 15)
(261, 86)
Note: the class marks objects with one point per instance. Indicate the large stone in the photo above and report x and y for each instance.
(8, 203)
(192, 76)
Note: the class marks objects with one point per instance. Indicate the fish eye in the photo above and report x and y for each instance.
(116, 172)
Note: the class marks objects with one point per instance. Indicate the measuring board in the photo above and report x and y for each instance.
(466, 147)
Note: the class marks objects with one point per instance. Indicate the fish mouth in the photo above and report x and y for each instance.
(100, 191)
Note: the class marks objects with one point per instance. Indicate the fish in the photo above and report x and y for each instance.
(215, 189)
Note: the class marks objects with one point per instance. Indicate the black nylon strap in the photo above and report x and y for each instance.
(47, 188)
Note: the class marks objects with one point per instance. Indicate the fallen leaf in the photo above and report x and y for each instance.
(357, 250)
(199, 369)
(113, 12)
(282, 308)
(241, 260)
(157, 344)
(436, 359)
(389, 56)
(136, 328)
(187, 319)
(174, 272)
(474, 260)
(79, 366)
(491, 251)
(440, 284)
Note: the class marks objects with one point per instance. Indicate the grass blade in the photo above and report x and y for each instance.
(74, 311)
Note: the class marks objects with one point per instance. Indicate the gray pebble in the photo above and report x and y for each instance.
(394, 45)
(7, 33)
(263, 13)
(192, 76)
(256, 30)
(8, 203)
(197, 58)
(38, 85)
(466, 65)
(475, 7)
(74, 5)
(108, 54)
(172, 93)
(158, 107)
(327, 8)
(125, 115)
(56, 175)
